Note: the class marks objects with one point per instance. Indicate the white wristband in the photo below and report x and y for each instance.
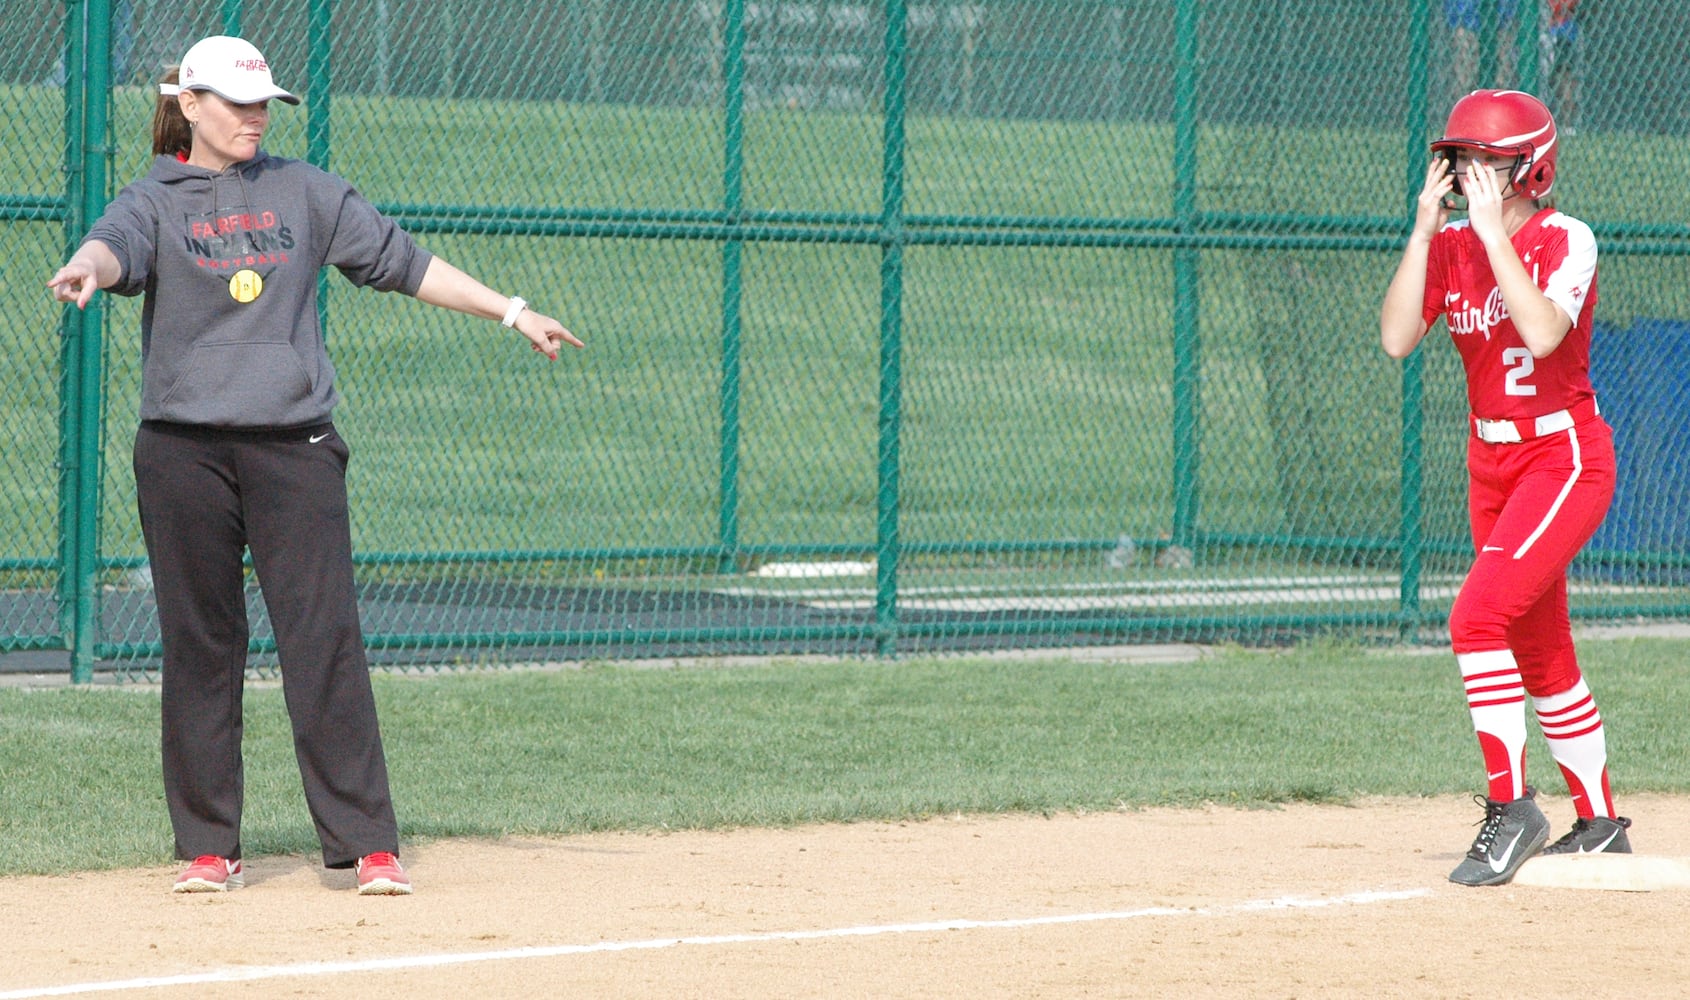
(518, 303)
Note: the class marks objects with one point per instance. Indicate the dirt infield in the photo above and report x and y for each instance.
(1301, 901)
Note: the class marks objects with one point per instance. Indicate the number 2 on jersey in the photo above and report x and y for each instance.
(1519, 363)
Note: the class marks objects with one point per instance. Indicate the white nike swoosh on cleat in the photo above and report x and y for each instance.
(317, 437)
(1499, 865)
(1602, 846)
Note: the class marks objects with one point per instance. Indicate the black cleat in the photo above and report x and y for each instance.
(1598, 835)
(1510, 833)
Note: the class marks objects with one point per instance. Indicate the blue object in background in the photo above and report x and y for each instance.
(1642, 380)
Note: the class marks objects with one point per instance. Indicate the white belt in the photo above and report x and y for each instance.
(1511, 432)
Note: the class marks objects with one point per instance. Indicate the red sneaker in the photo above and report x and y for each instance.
(380, 874)
(210, 873)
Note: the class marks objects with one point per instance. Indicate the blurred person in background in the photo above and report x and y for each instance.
(1561, 50)
(1465, 21)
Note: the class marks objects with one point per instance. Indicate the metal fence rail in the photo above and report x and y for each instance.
(912, 325)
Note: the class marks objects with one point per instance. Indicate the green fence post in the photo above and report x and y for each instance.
(1411, 475)
(1526, 24)
(892, 238)
(1187, 394)
(1419, 81)
(1413, 447)
(317, 90)
(70, 388)
(318, 37)
(232, 17)
(88, 85)
(733, 192)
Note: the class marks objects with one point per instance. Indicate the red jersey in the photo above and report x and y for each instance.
(1504, 381)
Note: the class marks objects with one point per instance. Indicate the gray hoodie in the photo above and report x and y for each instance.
(228, 264)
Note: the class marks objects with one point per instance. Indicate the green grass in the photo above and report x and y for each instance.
(621, 747)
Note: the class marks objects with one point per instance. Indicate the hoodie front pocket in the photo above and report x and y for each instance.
(239, 383)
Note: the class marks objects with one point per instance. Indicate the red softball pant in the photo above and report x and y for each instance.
(1533, 505)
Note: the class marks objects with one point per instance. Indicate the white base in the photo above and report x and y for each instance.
(1617, 872)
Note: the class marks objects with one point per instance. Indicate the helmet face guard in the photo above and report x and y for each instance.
(1514, 173)
(1506, 124)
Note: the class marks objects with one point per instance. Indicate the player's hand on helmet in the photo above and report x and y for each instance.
(1430, 209)
(545, 334)
(1484, 201)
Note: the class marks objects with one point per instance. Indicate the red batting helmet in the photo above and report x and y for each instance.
(1505, 123)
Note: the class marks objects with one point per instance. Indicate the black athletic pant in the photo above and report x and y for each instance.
(205, 495)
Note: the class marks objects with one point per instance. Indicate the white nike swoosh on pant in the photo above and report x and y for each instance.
(317, 437)
(1499, 864)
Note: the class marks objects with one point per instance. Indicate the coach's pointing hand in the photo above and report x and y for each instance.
(446, 286)
(545, 333)
(93, 267)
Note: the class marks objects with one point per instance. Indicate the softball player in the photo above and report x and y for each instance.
(1515, 282)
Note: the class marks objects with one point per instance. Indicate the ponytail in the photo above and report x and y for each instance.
(171, 134)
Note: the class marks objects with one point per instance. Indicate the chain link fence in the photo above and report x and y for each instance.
(911, 326)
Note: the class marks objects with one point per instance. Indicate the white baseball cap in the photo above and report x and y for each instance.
(232, 68)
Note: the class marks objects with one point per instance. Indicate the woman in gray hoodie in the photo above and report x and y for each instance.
(236, 449)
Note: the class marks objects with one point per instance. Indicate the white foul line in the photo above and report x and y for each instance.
(247, 974)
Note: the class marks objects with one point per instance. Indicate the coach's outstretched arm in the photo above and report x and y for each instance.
(1401, 322)
(445, 286)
